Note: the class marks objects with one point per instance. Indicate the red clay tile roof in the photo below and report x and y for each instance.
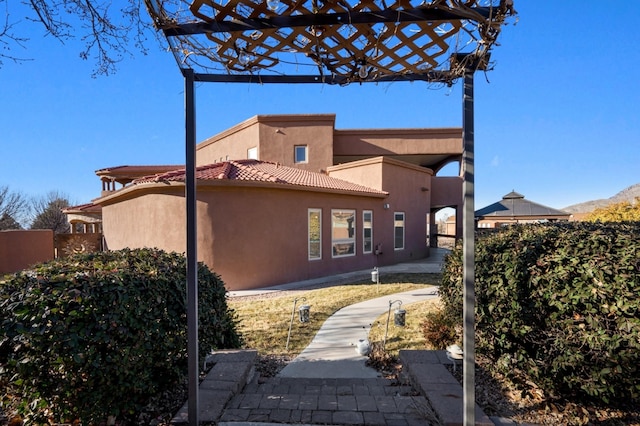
(260, 171)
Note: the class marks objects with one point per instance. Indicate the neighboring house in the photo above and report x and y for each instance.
(283, 198)
(515, 208)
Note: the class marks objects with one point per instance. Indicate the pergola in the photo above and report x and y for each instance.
(332, 42)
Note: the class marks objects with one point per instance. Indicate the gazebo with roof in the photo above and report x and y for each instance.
(515, 208)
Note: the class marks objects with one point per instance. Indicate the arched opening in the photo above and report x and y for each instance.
(446, 228)
(452, 168)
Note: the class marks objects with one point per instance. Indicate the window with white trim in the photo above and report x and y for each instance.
(398, 231)
(315, 234)
(343, 235)
(300, 154)
(252, 153)
(367, 231)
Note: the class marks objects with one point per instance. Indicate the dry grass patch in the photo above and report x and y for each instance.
(264, 322)
(408, 337)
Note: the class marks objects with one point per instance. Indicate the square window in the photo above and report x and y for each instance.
(300, 154)
(252, 153)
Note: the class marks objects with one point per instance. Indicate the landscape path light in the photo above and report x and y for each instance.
(454, 354)
(375, 277)
(399, 317)
(304, 313)
(293, 314)
(386, 331)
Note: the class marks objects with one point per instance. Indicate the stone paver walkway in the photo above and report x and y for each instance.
(376, 402)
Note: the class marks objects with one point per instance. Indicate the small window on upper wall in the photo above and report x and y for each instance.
(252, 153)
(300, 154)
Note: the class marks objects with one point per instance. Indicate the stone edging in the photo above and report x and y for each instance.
(428, 374)
(231, 371)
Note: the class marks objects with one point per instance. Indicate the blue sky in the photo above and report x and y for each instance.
(556, 120)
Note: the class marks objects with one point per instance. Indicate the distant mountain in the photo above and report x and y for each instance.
(627, 194)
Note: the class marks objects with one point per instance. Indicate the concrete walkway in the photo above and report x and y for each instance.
(333, 351)
(328, 383)
(430, 265)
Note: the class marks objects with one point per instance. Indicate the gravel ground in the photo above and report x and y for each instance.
(528, 404)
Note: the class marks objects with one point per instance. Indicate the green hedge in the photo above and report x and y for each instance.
(99, 334)
(559, 303)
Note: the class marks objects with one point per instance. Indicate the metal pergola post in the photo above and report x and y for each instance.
(192, 246)
(468, 248)
(284, 42)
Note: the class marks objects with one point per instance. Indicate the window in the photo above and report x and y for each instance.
(315, 234)
(428, 228)
(367, 231)
(343, 225)
(252, 153)
(300, 154)
(398, 231)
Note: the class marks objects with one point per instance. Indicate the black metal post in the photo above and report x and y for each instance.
(468, 248)
(192, 247)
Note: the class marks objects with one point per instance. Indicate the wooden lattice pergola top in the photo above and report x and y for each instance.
(331, 41)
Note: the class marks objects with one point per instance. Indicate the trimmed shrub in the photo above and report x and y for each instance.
(559, 303)
(98, 334)
(439, 329)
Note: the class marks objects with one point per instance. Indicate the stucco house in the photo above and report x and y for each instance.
(515, 208)
(283, 198)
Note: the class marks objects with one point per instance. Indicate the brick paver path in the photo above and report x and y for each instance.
(374, 402)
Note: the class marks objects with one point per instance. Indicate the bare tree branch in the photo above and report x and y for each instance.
(48, 212)
(14, 208)
(7, 37)
(109, 32)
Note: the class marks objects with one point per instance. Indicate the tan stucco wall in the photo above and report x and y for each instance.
(374, 142)
(21, 249)
(251, 236)
(266, 242)
(409, 189)
(279, 135)
(232, 144)
(152, 219)
(446, 191)
(274, 136)
(255, 234)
